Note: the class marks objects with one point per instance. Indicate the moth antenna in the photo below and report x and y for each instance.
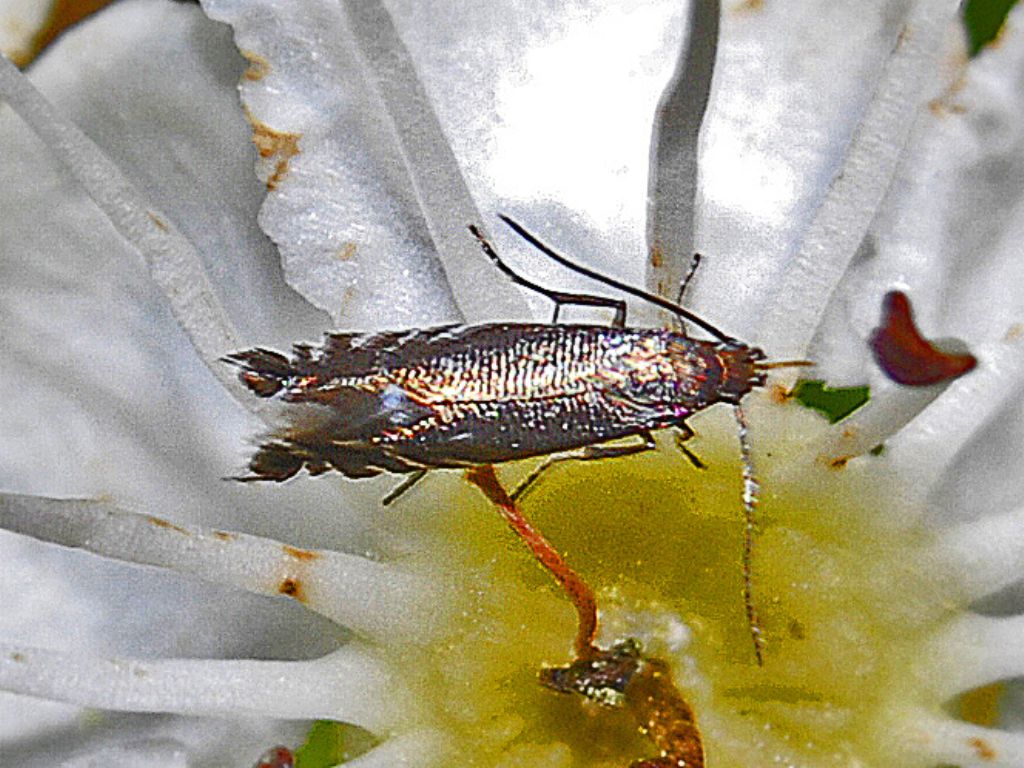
(773, 364)
(612, 282)
(751, 492)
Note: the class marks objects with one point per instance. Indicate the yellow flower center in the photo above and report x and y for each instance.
(845, 606)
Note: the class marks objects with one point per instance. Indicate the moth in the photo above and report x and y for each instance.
(459, 396)
(456, 396)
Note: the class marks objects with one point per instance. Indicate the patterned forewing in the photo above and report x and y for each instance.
(453, 396)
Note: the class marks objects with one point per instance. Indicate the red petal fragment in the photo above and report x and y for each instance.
(276, 757)
(905, 355)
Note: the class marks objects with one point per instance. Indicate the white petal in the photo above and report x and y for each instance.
(173, 262)
(103, 395)
(373, 195)
(362, 693)
(974, 651)
(807, 95)
(138, 753)
(949, 228)
(367, 597)
(927, 448)
(986, 554)
(675, 145)
(151, 740)
(524, 126)
(929, 739)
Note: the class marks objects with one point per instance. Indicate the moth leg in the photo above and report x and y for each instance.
(684, 433)
(399, 490)
(560, 298)
(587, 453)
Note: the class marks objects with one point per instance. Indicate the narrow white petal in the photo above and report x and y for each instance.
(672, 179)
(974, 651)
(949, 229)
(927, 447)
(890, 409)
(138, 753)
(447, 205)
(359, 690)
(173, 261)
(986, 554)
(930, 740)
(373, 599)
(834, 237)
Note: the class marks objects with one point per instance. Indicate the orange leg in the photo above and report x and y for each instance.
(581, 595)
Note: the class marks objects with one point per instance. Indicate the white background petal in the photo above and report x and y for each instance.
(103, 395)
(949, 234)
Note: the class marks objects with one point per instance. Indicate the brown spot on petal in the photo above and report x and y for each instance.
(160, 223)
(940, 108)
(279, 146)
(657, 256)
(946, 102)
(982, 749)
(258, 67)
(779, 394)
(224, 536)
(347, 251)
(749, 6)
(300, 554)
(292, 588)
(18, 658)
(160, 523)
(905, 355)
(1014, 332)
(839, 462)
(904, 36)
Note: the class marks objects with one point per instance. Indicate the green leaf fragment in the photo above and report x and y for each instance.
(329, 744)
(984, 19)
(836, 403)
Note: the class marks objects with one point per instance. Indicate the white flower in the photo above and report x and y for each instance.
(848, 149)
